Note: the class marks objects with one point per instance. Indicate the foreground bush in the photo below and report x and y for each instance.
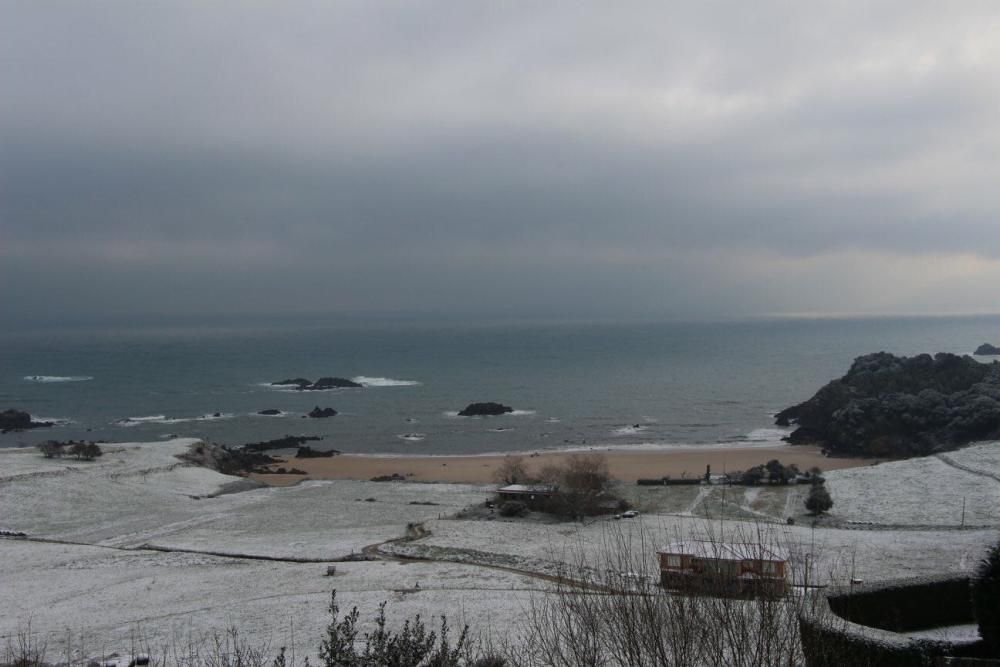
(616, 613)
(986, 599)
(343, 646)
(413, 645)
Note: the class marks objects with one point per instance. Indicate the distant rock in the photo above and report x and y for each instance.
(303, 384)
(333, 383)
(321, 413)
(270, 412)
(307, 452)
(287, 442)
(16, 420)
(485, 409)
(986, 349)
(901, 406)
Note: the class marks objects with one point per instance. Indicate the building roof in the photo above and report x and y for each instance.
(726, 551)
(527, 488)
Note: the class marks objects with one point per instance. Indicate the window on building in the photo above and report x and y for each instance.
(673, 560)
(720, 567)
(769, 567)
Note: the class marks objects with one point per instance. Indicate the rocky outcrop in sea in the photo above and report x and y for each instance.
(485, 409)
(901, 406)
(17, 420)
(987, 350)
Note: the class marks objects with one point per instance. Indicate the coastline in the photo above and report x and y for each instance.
(624, 465)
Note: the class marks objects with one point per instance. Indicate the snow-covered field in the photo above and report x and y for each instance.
(96, 581)
(831, 555)
(141, 494)
(102, 600)
(101, 593)
(922, 492)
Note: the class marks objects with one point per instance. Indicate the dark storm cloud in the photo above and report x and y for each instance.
(574, 159)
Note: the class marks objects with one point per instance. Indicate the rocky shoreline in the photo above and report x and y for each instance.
(251, 457)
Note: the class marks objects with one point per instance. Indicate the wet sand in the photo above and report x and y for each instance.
(626, 466)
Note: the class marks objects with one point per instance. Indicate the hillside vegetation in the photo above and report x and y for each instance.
(901, 406)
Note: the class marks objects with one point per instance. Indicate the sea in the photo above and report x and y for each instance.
(571, 385)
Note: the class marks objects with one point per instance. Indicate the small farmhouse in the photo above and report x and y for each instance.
(696, 566)
(532, 495)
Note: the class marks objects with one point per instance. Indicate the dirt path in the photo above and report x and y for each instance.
(374, 550)
(944, 458)
(153, 547)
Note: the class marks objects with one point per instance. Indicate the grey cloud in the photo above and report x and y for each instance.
(438, 152)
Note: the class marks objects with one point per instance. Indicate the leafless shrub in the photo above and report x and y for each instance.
(51, 449)
(582, 485)
(616, 613)
(24, 649)
(512, 470)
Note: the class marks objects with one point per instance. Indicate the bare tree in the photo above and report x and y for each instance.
(587, 473)
(582, 484)
(86, 451)
(512, 470)
(51, 449)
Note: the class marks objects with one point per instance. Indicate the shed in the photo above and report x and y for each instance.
(526, 493)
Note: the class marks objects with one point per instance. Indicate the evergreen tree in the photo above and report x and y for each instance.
(819, 500)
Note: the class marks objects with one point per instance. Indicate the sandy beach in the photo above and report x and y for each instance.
(624, 465)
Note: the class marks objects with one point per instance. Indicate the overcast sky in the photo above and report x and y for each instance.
(523, 159)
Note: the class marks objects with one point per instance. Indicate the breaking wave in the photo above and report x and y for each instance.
(294, 389)
(515, 413)
(163, 419)
(632, 429)
(45, 379)
(767, 434)
(382, 382)
(55, 421)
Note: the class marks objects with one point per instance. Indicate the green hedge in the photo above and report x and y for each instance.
(859, 625)
(906, 604)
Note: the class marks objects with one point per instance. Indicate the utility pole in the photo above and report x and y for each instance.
(963, 511)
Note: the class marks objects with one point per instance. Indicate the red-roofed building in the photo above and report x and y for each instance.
(696, 566)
